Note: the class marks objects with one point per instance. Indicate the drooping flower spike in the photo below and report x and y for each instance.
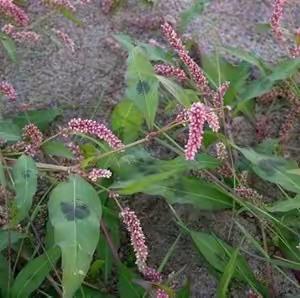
(197, 116)
(96, 129)
(170, 71)
(8, 90)
(20, 36)
(18, 15)
(137, 237)
(66, 39)
(196, 72)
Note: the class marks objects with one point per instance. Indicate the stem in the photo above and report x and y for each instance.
(141, 141)
(109, 241)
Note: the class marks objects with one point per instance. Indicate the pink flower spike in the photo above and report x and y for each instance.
(11, 10)
(198, 114)
(170, 71)
(196, 72)
(137, 237)
(21, 36)
(66, 39)
(33, 138)
(8, 90)
(96, 129)
(96, 174)
(219, 95)
(160, 293)
(277, 14)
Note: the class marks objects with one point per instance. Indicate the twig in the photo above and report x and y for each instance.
(109, 241)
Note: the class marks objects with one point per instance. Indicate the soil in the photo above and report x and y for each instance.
(90, 82)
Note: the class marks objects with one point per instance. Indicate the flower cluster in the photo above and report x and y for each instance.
(170, 71)
(11, 10)
(61, 4)
(138, 243)
(160, 293)
(5, 196)
(8, 90)
(66, 39)
(137, 237)
(218, 97)
(289, 124)
(249, 194)
(96, 174)
(96, 129)
(198, 115)
(277, 14)
(196, 72)
(22, 36)
(33, 139)
(221, 151)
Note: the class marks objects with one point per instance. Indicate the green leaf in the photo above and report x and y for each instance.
(9, 46)
(284, 70)
(33, 274)
(197, 192)
(155, 53)
(128, 289)
(218, 254)
(75, 212)
(127, 121)
(188, 15)
(259, 87)
(247, 56)
(4, 278)
(152, 52)
(184, 292)
(25, 180)
(273, 169)
(142, 85)
(11, 237)
(41, 118)
(285, 205)
(254, 89)
(2, 175)
(85, 292)
(57, 148)
(125, 40)
(111, 218)
(227, 275)
(70, 16)
(149, 175)
(176, 90)
(9, 131)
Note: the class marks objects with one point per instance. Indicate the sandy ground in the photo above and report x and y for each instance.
(91, 81)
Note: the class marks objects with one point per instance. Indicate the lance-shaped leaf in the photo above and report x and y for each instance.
(218, 254)
(25, 179)
(4, 277)
(75, 212)
(34, 273)
(127, 121)
(274, 169)
(9, 131)
(142, 84)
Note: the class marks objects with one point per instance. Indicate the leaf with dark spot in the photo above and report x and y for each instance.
(71, 212)
(75, 213)
(142, 84)
(142, 87)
